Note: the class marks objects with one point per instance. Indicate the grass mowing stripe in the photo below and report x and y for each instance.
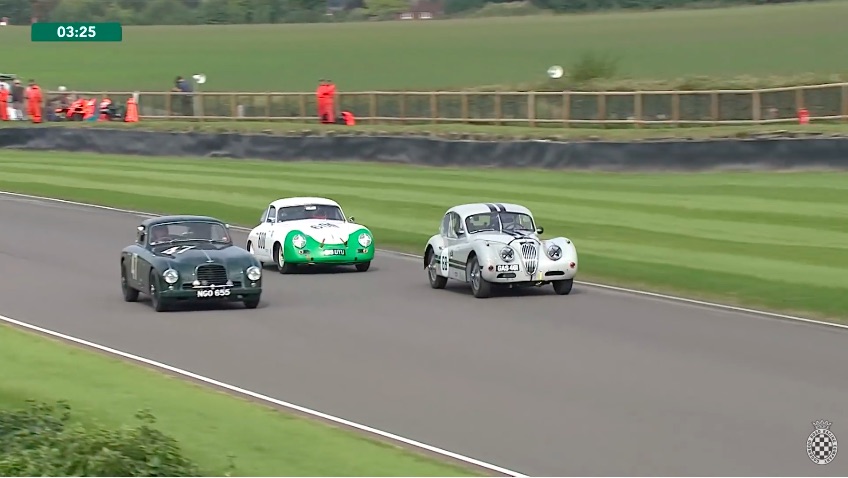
(702, 237)
(628, 217)
(644, 197)
(719, 262)
(208, 424)
(726, 287)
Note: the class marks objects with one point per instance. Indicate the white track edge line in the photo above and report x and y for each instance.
(264, 398)
(656, 295)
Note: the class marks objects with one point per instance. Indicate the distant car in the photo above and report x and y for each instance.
(188, 258)
(298, 231)
(490, 244)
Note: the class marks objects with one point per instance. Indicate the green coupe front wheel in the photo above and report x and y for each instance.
(363, 266)
(159, 304)
(251, 302)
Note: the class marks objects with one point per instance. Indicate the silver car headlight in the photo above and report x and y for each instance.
(507, 254)
(364, 240)
(554, 252)
(171, 276)
(254, 273)
(299, 241)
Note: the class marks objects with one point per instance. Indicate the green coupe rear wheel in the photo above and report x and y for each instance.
(130, 294)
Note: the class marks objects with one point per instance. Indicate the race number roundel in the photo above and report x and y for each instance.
(443, 262)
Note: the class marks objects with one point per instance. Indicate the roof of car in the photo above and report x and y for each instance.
(302, 201)
(177, 218)
(483, 207)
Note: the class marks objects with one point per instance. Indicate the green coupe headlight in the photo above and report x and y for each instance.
(171, 276)
(254, 273)
(364, 240)
(299, 241)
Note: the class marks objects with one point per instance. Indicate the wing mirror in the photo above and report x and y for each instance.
(351, 219)
(540, 230)
(460, 231)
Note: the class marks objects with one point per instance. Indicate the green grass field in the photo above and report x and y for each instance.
(209, 425)
(778, 241)
(765, 40)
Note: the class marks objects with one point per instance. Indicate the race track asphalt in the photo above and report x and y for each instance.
(595, 383)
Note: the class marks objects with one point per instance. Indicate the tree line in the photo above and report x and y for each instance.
(196, 12)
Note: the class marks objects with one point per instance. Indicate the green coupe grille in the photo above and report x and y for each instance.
(211, 274)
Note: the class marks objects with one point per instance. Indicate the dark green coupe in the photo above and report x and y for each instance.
(188, 258)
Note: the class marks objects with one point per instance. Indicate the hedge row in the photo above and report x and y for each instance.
(43, 440)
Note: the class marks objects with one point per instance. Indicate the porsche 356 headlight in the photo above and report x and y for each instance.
(364, 240)
(171, 276)
(507, 254)
(254, 273)
(554, 252)
(299, 241)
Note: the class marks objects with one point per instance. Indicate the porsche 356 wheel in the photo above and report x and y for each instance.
(563, 287)
(363, 266)
(479, 286)
(159, 304)
(282, 266)
(436, 281)
(130, 294)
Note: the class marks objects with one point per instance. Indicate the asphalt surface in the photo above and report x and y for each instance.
(595, 383)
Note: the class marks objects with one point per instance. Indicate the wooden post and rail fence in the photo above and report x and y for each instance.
(823, 103)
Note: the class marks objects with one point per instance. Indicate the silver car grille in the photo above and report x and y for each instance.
(530, 255)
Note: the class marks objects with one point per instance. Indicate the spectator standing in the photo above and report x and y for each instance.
(18, 99)
(34, 99)
(184, 87)
(4, 102)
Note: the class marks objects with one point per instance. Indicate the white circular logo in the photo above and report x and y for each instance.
(821, 445)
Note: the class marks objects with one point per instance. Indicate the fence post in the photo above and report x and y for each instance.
(714, 109)
(756, 107)
(233, 107)
(799, 99)
(372, 107)
(268, 98)
(434, 108)
(402, 107)
(845, 102)
(675, 109)
(301, 100)
(463, 100)
(637, 109)
(566, 108)
(602, 109)
(531, 109)
(168, 105)
(498, 108)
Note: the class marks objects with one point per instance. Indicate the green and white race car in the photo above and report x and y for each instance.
(310, 230)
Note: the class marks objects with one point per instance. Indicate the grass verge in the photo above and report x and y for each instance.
(775, 241)
(208, 424)
(465, 131)
(758, 41)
